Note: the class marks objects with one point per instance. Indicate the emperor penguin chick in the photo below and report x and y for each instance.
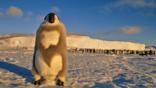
(50, 52)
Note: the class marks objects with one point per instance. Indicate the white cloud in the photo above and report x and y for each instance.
(138, 3)
(132, 7)
(29, 14)
(41, 18)
(0, 8)
(55, 9)
(14, 11)
(133, 4)
(130, 3)
(1, 14)
(124, 30)
(129, 30)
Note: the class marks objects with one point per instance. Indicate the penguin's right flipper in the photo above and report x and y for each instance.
(37, 77)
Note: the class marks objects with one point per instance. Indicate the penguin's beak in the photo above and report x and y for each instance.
(50, 18)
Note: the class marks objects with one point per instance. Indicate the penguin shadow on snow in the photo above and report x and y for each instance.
(103, 85)
(21, 71)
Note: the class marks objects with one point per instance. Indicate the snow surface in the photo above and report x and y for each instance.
(85, 70)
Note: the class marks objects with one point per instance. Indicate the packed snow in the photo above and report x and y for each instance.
(85, 70)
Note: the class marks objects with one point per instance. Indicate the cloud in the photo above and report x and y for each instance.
(135, 4)
(41, 18)
(138, 3)
(14, 11)
(1, 14)
(30, 14)
(106, 33)
(55, 9)
(125, 30)
(129, 30)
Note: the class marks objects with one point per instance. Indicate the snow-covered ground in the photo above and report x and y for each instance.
(85, 70)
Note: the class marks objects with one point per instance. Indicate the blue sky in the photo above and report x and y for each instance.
(125, 20)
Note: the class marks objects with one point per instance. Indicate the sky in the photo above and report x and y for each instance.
(120, 20)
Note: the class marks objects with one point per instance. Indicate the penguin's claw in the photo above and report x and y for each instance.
(60, 83)
(37, 82)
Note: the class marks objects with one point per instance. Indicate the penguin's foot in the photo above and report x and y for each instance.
(37, 82)
(60, 83)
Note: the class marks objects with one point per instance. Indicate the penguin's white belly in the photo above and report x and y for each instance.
(50, 38)
(56, 64)
(44, 69)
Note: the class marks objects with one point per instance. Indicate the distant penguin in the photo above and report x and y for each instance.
(50, 52)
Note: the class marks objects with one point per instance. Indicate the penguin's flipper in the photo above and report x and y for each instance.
(35, 73)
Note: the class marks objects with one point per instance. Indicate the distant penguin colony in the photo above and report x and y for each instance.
(50, 52)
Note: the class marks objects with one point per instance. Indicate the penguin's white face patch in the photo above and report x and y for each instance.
(50, 38)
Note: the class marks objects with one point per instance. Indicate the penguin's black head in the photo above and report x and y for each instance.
(51, 18)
